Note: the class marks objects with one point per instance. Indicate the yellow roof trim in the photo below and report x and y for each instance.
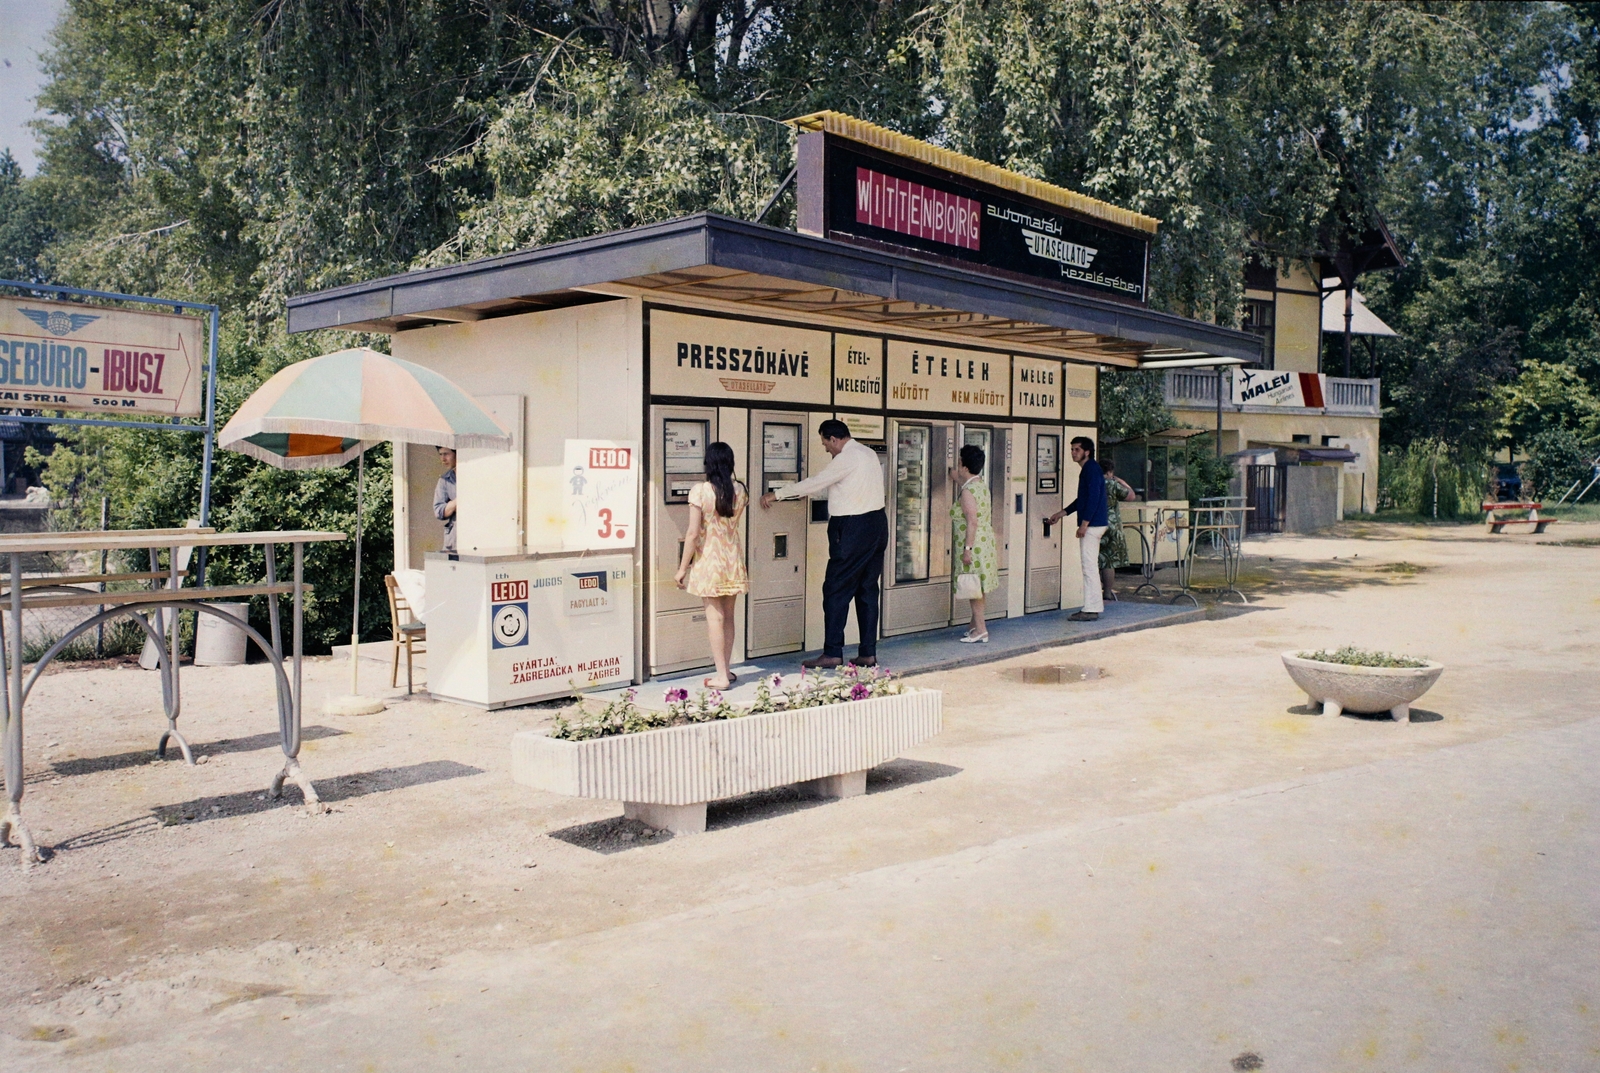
(859, 130)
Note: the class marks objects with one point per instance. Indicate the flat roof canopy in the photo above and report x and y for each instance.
(772, 272)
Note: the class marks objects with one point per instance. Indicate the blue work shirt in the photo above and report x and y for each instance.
(443, 493)
(1091, 502)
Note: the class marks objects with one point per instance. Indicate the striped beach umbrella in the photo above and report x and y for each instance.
(322, 412)
(318, 413)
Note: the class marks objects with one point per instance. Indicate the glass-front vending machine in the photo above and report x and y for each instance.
(996, 466)
(917, 589)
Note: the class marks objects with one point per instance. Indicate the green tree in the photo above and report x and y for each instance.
(24, 226)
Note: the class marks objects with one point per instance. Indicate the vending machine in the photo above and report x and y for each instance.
(680, 435)
(777, 551)
(1046, 475)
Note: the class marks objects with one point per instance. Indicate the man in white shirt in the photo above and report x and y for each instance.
(858, 534)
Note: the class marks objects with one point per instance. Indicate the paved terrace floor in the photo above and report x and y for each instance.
(942, 650)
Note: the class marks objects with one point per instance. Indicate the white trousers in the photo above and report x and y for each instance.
(1094, 601)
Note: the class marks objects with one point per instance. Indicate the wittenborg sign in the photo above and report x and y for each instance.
(867, 194)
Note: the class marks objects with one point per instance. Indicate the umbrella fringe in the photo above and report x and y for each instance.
(261, 454)
(238, 435)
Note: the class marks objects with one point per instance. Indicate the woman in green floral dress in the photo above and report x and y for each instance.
(1113, 548)
(972, 548)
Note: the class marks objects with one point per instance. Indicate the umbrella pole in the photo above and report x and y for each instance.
(355, 611)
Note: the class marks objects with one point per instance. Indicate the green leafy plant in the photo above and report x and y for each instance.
(1557, 459)
(1432, 479)
(1357, 657)
(623, 714)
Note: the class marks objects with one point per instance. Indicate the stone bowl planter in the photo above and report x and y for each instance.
(1339, 687)
(665, 777)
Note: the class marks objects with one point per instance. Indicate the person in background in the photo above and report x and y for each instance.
(444, 498)
(972, 526)
(1113, 546)
(1090, 506)
(713, 558)
(858, 534)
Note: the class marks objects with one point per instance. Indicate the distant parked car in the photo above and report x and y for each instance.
(1507, 483)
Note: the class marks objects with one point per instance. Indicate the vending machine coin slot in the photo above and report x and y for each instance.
(780, 545)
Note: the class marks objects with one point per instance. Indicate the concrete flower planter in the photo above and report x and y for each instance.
(1339, 687)
(665, 777)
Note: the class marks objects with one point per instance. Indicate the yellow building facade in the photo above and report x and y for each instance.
(1284, 307)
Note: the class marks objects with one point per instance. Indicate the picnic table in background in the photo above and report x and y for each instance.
(146, 608)
(1534, 523)
(1222, 527)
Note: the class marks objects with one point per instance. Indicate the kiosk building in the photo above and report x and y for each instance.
(928, 299)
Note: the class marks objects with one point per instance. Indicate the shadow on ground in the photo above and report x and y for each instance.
(88, 765)
(249, 802)
(616, 834)
(1418, 715)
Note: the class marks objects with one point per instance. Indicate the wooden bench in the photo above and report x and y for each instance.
(1534, 523)
(59, 580)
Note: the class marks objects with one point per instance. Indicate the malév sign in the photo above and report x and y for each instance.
(870, 196)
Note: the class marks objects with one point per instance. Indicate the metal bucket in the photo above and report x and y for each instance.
(219, 643)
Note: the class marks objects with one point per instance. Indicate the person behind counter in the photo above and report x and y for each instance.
(972, 544)
(1090, 506)
(858, 533)
(444, 498)
(713, 560)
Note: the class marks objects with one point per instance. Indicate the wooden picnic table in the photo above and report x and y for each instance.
(22, 594)
(1535, 523)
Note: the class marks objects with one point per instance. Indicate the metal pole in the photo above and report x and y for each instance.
(210, 441)
(1349, 314)
(100, 630)
(355, 615)
(1219, 412)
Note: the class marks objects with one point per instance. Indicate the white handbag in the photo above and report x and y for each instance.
(969, 587)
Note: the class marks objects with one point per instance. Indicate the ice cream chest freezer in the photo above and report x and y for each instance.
(512, 629)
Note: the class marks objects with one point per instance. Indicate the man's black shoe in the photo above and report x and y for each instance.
(822, 663)
(1084, 616)
(865, 661)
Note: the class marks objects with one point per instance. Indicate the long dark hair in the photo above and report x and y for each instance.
(719, 471)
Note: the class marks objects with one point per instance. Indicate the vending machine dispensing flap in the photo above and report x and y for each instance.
(683, 453)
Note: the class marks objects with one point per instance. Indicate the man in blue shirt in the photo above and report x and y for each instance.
(444, 498)
(1092, 510)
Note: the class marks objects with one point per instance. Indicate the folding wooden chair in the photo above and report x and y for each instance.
(404, 630)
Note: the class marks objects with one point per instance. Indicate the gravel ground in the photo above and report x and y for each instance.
(181, 899)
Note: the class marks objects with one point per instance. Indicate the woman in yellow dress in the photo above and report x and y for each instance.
(717, 573)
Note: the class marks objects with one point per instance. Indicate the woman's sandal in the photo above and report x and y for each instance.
(707, 683)
(975, 639)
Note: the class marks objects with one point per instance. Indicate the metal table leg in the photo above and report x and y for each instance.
(174, 648)
(290, 728)
(12, 824)
(1185, 566)
(1147, 568)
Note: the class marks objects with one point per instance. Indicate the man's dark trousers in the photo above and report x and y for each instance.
(856, 543)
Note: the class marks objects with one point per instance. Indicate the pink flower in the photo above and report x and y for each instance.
(716, 696)
(860, 691)
(675, 695)
(777, 681)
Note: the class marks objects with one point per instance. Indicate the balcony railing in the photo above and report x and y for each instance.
(1192, 388)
